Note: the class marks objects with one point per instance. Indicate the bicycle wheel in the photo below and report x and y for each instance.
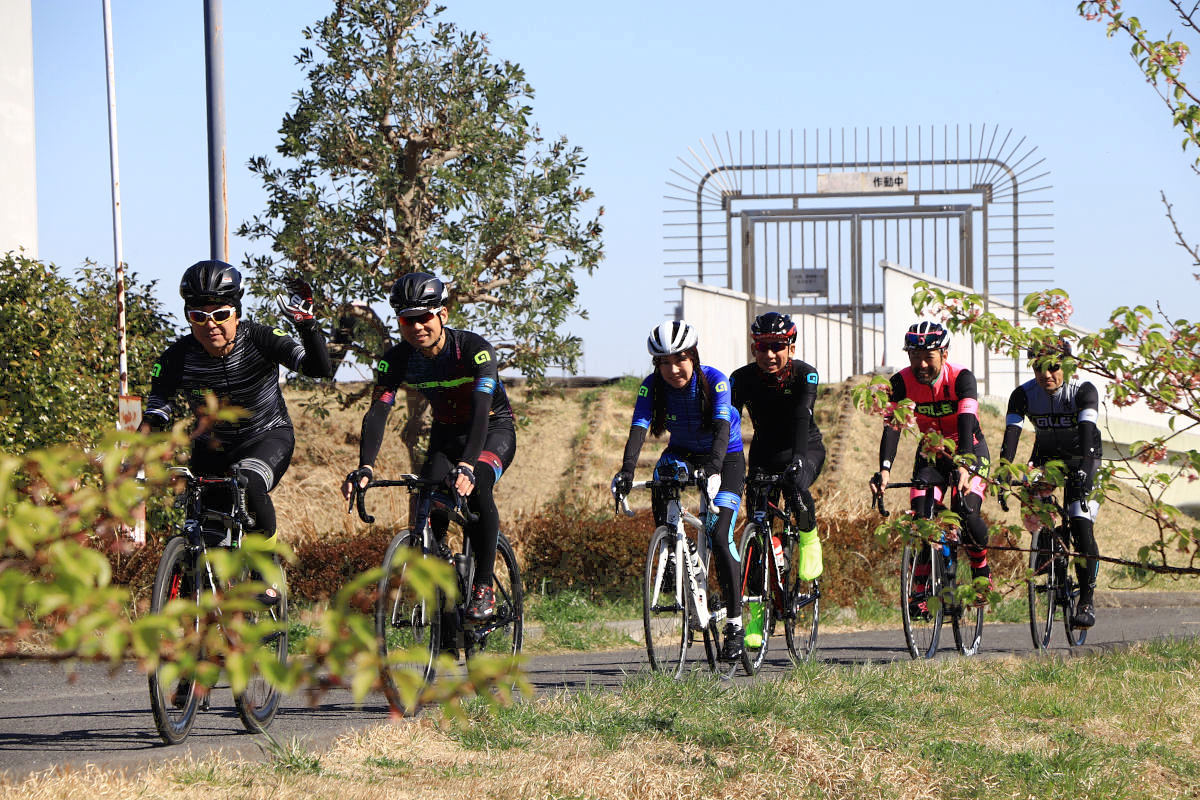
(505, 632)
(1042, 588)
(664, 604)
(175, 701)
(920, 600)
(407, 626)
(1068, 599)
(258, 704)
(756, 591)
(967, 620)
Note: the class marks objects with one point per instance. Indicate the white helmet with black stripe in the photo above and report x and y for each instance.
(671, 337)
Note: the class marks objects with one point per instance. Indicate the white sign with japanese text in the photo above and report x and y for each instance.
(861, 182)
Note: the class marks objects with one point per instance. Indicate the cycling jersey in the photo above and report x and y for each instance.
(247, 377)
(461, 384)
(781, 409)
(688, 431)
(949, 407)
(1065, 422)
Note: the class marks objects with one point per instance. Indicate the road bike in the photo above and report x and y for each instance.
(931, 574)
(1051, 585)
(771, 584)
(676, 604)
(407, 623)
(186, 572)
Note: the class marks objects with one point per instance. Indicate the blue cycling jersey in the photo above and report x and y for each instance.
(683, 412)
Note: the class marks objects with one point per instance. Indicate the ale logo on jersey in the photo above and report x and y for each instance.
(383, 366)
(482, 357)
(642, 391)
(721, 386)
(156, 370)
(940, 408)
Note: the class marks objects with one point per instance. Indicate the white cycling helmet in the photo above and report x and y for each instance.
(671, 337)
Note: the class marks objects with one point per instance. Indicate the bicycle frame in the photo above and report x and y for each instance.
(697, 564)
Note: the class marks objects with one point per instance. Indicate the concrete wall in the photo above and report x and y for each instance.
(18, 167)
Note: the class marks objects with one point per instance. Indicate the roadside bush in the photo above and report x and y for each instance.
(602, 555)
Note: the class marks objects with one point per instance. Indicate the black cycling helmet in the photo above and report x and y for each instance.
(418, 293)
(926, 335)
(773, 327)
(210, 283)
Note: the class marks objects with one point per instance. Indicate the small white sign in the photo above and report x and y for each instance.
(808, 282)
(861, 182)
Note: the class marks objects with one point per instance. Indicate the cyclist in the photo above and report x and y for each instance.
(473, 439)
(1064, 414)
(947, 403)
(238, 361)
(780, 392)
(691, 402)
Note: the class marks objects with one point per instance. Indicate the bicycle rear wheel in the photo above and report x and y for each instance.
(755, 587)
(174, 699)
(967, 620)
(920, 600)
(1042, 587)
(664, 604)
(407, 626)
(504, 632)
(259, 703)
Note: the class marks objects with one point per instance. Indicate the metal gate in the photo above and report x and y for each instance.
(806, 233)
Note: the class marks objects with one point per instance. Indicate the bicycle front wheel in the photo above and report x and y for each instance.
(407, 625)
(173, 698)
(505, 632)
(967, 621)
(664, 604)
(756, 595)
(800, 609)
(1068, 600)
(920, 600)
(258, 704)
(1042, 587)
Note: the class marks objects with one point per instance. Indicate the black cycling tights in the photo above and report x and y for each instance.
(262, 460)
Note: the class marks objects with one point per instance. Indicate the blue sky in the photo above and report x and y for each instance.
(635, 84)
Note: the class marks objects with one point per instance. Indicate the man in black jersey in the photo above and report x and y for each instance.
(1064, 414)
(473, 439)
(780, 392)
(238, 361)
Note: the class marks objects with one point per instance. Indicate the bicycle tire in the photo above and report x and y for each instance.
(1068, 600)
(405, 623)
(259, 702)
(664, 604)
(800, 609)
(505, 632)
(756, 588)
(171, 581)
(1042, 587)
(922, 625)
(967, 620)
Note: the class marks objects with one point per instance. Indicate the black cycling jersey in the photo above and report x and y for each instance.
(248, 378)
(461, 384)
(781, 409)
(1065, 422)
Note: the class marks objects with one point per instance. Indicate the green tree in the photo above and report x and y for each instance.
(411, 149)
(59, 355)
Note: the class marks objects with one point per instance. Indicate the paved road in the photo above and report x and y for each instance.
(103, 719)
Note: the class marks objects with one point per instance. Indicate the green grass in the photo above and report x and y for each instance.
(570, 621)
(1114, 725)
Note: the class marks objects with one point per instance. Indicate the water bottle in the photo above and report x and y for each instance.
(948, 560)
(780, 567)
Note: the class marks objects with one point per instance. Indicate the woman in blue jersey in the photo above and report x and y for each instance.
(692, 403)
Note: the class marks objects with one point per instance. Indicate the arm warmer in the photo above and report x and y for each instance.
(720, 444)
(372, 432)
(633, 446)
(316, 363)
(481, 406)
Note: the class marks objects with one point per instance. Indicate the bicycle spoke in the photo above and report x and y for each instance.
(664, 609)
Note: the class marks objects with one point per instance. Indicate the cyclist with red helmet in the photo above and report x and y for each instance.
(780, 392)
(691, 402)
(473, 439)
(238, 361)
(1064, 414)
(947, 402)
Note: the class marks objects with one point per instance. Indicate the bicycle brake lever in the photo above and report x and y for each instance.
(624, 503)
(361, 502)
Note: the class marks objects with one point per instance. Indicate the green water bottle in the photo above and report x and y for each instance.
(754, 624)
